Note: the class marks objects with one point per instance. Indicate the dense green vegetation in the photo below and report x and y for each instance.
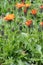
(20, 43)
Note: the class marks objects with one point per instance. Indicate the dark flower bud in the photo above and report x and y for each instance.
(9, 1)
(3, 26)
(12, 29)
(8, 9)
(2, 32)
(20, 27)
(23, 1)
(25, 11)
(3, 15)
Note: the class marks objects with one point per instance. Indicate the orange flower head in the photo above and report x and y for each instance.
(34, 11)
(27, 5)
(41, 23)
(28, 22)
(20, 5)
(9, 17)
(41, 7)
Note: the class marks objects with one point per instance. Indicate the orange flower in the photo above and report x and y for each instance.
(19, 5)
(34, 11)
(41, 23)
(27, 5)
(28, 22)
(9, 17)
(41, 7)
